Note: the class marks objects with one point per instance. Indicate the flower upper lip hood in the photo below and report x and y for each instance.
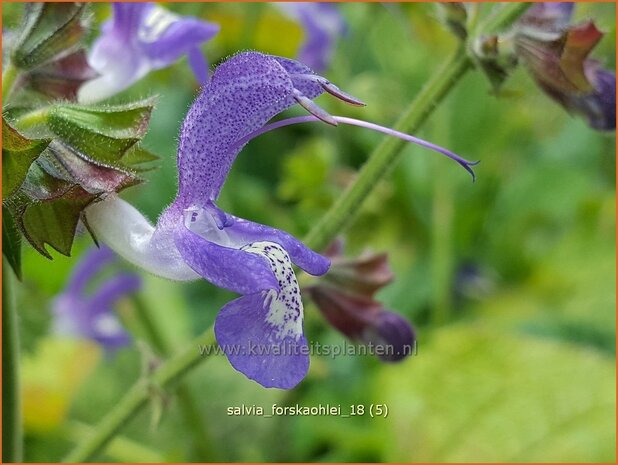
(139, 38)
(194, 238)
(244, 94)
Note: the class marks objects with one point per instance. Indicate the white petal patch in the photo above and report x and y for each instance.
(285, 308)
(156, 23)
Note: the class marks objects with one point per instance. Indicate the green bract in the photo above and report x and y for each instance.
(87, 152)
(49, 30)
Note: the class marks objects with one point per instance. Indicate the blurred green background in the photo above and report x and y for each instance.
(510, 281)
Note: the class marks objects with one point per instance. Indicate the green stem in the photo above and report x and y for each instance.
(387, 153)
(12, 433)
(506, 16)
(137, 397)
(121, 448)
(186, 401)
(9, 76)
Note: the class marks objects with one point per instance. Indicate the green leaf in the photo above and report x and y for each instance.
(11, 241)
(55, 222)
(63, 162)
(102, 133)
(474, 394)
(48, 30)
(18, 153)
(136, 157)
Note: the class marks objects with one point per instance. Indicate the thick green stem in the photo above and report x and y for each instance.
(137, 397)
(12, 434)
(186, 401)
(9, 76)
(121, 448)
(387, 153)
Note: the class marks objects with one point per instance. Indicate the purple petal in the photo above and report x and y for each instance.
(262, 334)
(199, 65)
(126, 18)
(247, 231)
(393, 333)
(138, 39)
(230, 268)
(244, 93)
(107, 331)
(164, 45)
(323, 25)
(114, 289)
(78, 317)
(119, 63)
(602, 104)
(89, 265)
(549, 16)
(253, 347)
(303, 77)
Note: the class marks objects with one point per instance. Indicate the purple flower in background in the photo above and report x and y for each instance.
(139, 38)
(556, 54)
(323, 25)
(90, 315)
(262, 331)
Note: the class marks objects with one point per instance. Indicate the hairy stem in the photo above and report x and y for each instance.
(121, 448)
(186, 401)
(387, 153)
(12, 434)
(137, 397)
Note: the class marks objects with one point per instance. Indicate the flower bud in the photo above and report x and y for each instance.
(345, 296)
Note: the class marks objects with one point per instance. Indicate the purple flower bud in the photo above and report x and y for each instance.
(394, 334)
(345, 298)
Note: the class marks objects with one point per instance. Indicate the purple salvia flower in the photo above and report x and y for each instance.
(262, 331)
(90, 315)
(322, 24)
(139, 38)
